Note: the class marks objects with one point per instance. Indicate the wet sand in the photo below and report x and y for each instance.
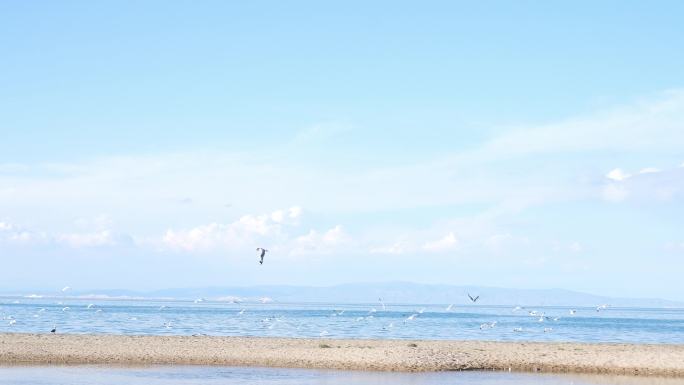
(381, 355)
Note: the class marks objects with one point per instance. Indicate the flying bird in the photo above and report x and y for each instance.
(261, 254)
(473, 299)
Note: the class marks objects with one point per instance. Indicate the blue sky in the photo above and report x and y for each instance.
(156, 144)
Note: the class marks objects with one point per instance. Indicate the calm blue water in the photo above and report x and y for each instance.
(198, 375)
(342, 321)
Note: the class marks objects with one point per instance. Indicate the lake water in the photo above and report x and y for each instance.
(39, 315)
(196, 375)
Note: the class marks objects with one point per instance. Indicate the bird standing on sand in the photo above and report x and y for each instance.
(262, 254)
(473, 299)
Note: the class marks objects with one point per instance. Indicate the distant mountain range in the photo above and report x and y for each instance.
(393, 292)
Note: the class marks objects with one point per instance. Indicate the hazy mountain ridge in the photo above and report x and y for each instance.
(393, 292)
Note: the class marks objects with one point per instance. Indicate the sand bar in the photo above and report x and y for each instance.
(386, 355)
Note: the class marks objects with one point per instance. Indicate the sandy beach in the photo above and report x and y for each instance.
(382, 355)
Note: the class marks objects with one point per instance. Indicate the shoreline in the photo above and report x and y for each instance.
(345, 354)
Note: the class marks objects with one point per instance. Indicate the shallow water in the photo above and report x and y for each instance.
(342, 320)
(191, 375)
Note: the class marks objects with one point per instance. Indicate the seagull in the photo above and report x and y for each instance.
(241, 312)
(412, 317)
(162, 307)
(573, 311)
(12, 322)
(65, 289)
(90, 306)
(54, 329)
(323, 333)
(449, 307)
(261, 254)
(488, 325)
(601, 307)
(473, 299)
(546, 330)
(66, 308)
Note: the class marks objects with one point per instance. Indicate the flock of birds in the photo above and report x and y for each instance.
(271, 321)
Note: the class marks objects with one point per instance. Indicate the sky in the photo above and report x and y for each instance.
(528, 144)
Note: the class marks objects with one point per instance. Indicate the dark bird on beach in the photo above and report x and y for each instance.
(473, 299)
(263, 252)
(54, 329)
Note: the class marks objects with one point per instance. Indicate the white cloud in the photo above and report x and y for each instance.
(16, 234)
(648, 185)
(99, 222)
(278, 216)
(395, 248)
(295, 212)
(96, 239)
(6, 226)
(649, 170)
(647, 125)
(617, 175)
(448, 242)
(245, 230)
(316, 242)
